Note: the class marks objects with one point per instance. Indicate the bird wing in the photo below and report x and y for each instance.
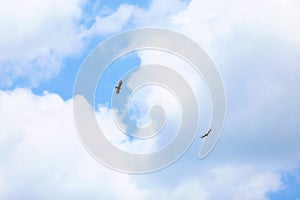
(206, 134)
(208, 131)
(120, 83)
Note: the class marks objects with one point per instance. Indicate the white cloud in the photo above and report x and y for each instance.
(159, 12)
(258, 64)
(35, 37)
(40, 150)
(162, 97)
(249, 183)
(111, 131)
(222, 182)
(214, 22)
(114, 22)
(231, 182)
(131, 16)
(253, 44)
(45, 155)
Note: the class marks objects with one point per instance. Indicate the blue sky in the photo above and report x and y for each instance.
(255, 46)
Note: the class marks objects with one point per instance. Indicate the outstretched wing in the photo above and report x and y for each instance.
(206, 134)
(208, 131)
(118, 87)
(120, 84)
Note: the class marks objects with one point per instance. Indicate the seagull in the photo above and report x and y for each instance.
(118, 87)
(206, 134)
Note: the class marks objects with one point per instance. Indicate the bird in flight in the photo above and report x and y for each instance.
(118, 87)
(206, 134)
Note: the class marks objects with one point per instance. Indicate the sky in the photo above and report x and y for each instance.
(255, 46)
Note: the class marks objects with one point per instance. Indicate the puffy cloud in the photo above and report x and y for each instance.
(39, 147)
(35, 38)
(41, 152)
(245, 183)
(213, 21)
(223, 181)
(249, 48)
(257, 61)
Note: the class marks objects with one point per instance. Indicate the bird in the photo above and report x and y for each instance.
(206, 134)
(118, 87)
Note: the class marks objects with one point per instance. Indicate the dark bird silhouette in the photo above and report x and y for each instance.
(118, 87)
(206, 134)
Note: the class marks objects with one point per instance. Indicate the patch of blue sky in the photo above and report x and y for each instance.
(62, 84)
(115, 4)
(291, 187)
(106, 87)
(5, 82)
(112, 75)
(104, 8)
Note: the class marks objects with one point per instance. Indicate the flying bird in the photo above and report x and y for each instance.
(206, 134)
(118, 87)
